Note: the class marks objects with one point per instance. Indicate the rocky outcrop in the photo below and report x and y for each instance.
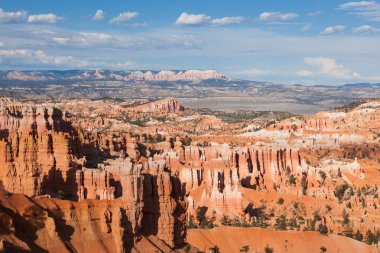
(42, 154)
(163, 106)
(214, 176)
(37, 147)
(143, 183)
(51, 225)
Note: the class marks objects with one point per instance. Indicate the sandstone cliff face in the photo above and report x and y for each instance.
(42, 153)
(214, 176)
(37, 146)
(51, 225)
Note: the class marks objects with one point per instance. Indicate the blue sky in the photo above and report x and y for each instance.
(307, 42)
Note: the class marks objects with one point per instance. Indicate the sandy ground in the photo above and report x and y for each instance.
(232, 239)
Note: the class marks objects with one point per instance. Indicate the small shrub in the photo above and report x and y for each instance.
(372, 238)
(362, 201)
(292, 180)
(358, 236)
(61, 194)
(225, 221)
(281, 223)
(322, 229)
(215, 249)
(280, 201)
(245, 249)
(346, 218)
(186, 141)
(203, 221)
(191, 223)
(340, 190)
(292, 223)
(304, 184)
(316, 218)
(267, 249)
(322, 174)
(288, 170)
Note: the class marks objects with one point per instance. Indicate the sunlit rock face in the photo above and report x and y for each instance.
(37, 148)
(42, 154)
(123, 181)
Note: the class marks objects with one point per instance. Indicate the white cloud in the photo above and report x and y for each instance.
(192, 19)
(99, 15)
(12, 17)
(95, 36)
(306, 28)
(203, 19)
(1, 44)
(83, 40)
(333, 30)
(356, 4)
(227, 21)
(123, 17)
(304, 73)
(49, 18)
(124, 65)
(329, 67)
(271, 17)
(22, 52)
(366, 9)
(27, 57)
(137, 24)
(60, 40)
(238, 47)
(315, 13)
(375, 79)
(365, 29)
(30, 57)
(255, 72)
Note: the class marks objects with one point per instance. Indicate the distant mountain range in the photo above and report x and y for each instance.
(147, 75)
(194, 88)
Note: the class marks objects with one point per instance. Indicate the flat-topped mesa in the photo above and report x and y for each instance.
(168, 75)
(161, 106)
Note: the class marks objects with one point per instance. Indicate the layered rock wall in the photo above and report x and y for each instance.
(36, 146)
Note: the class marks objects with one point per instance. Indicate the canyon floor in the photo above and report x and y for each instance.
(143, 175)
